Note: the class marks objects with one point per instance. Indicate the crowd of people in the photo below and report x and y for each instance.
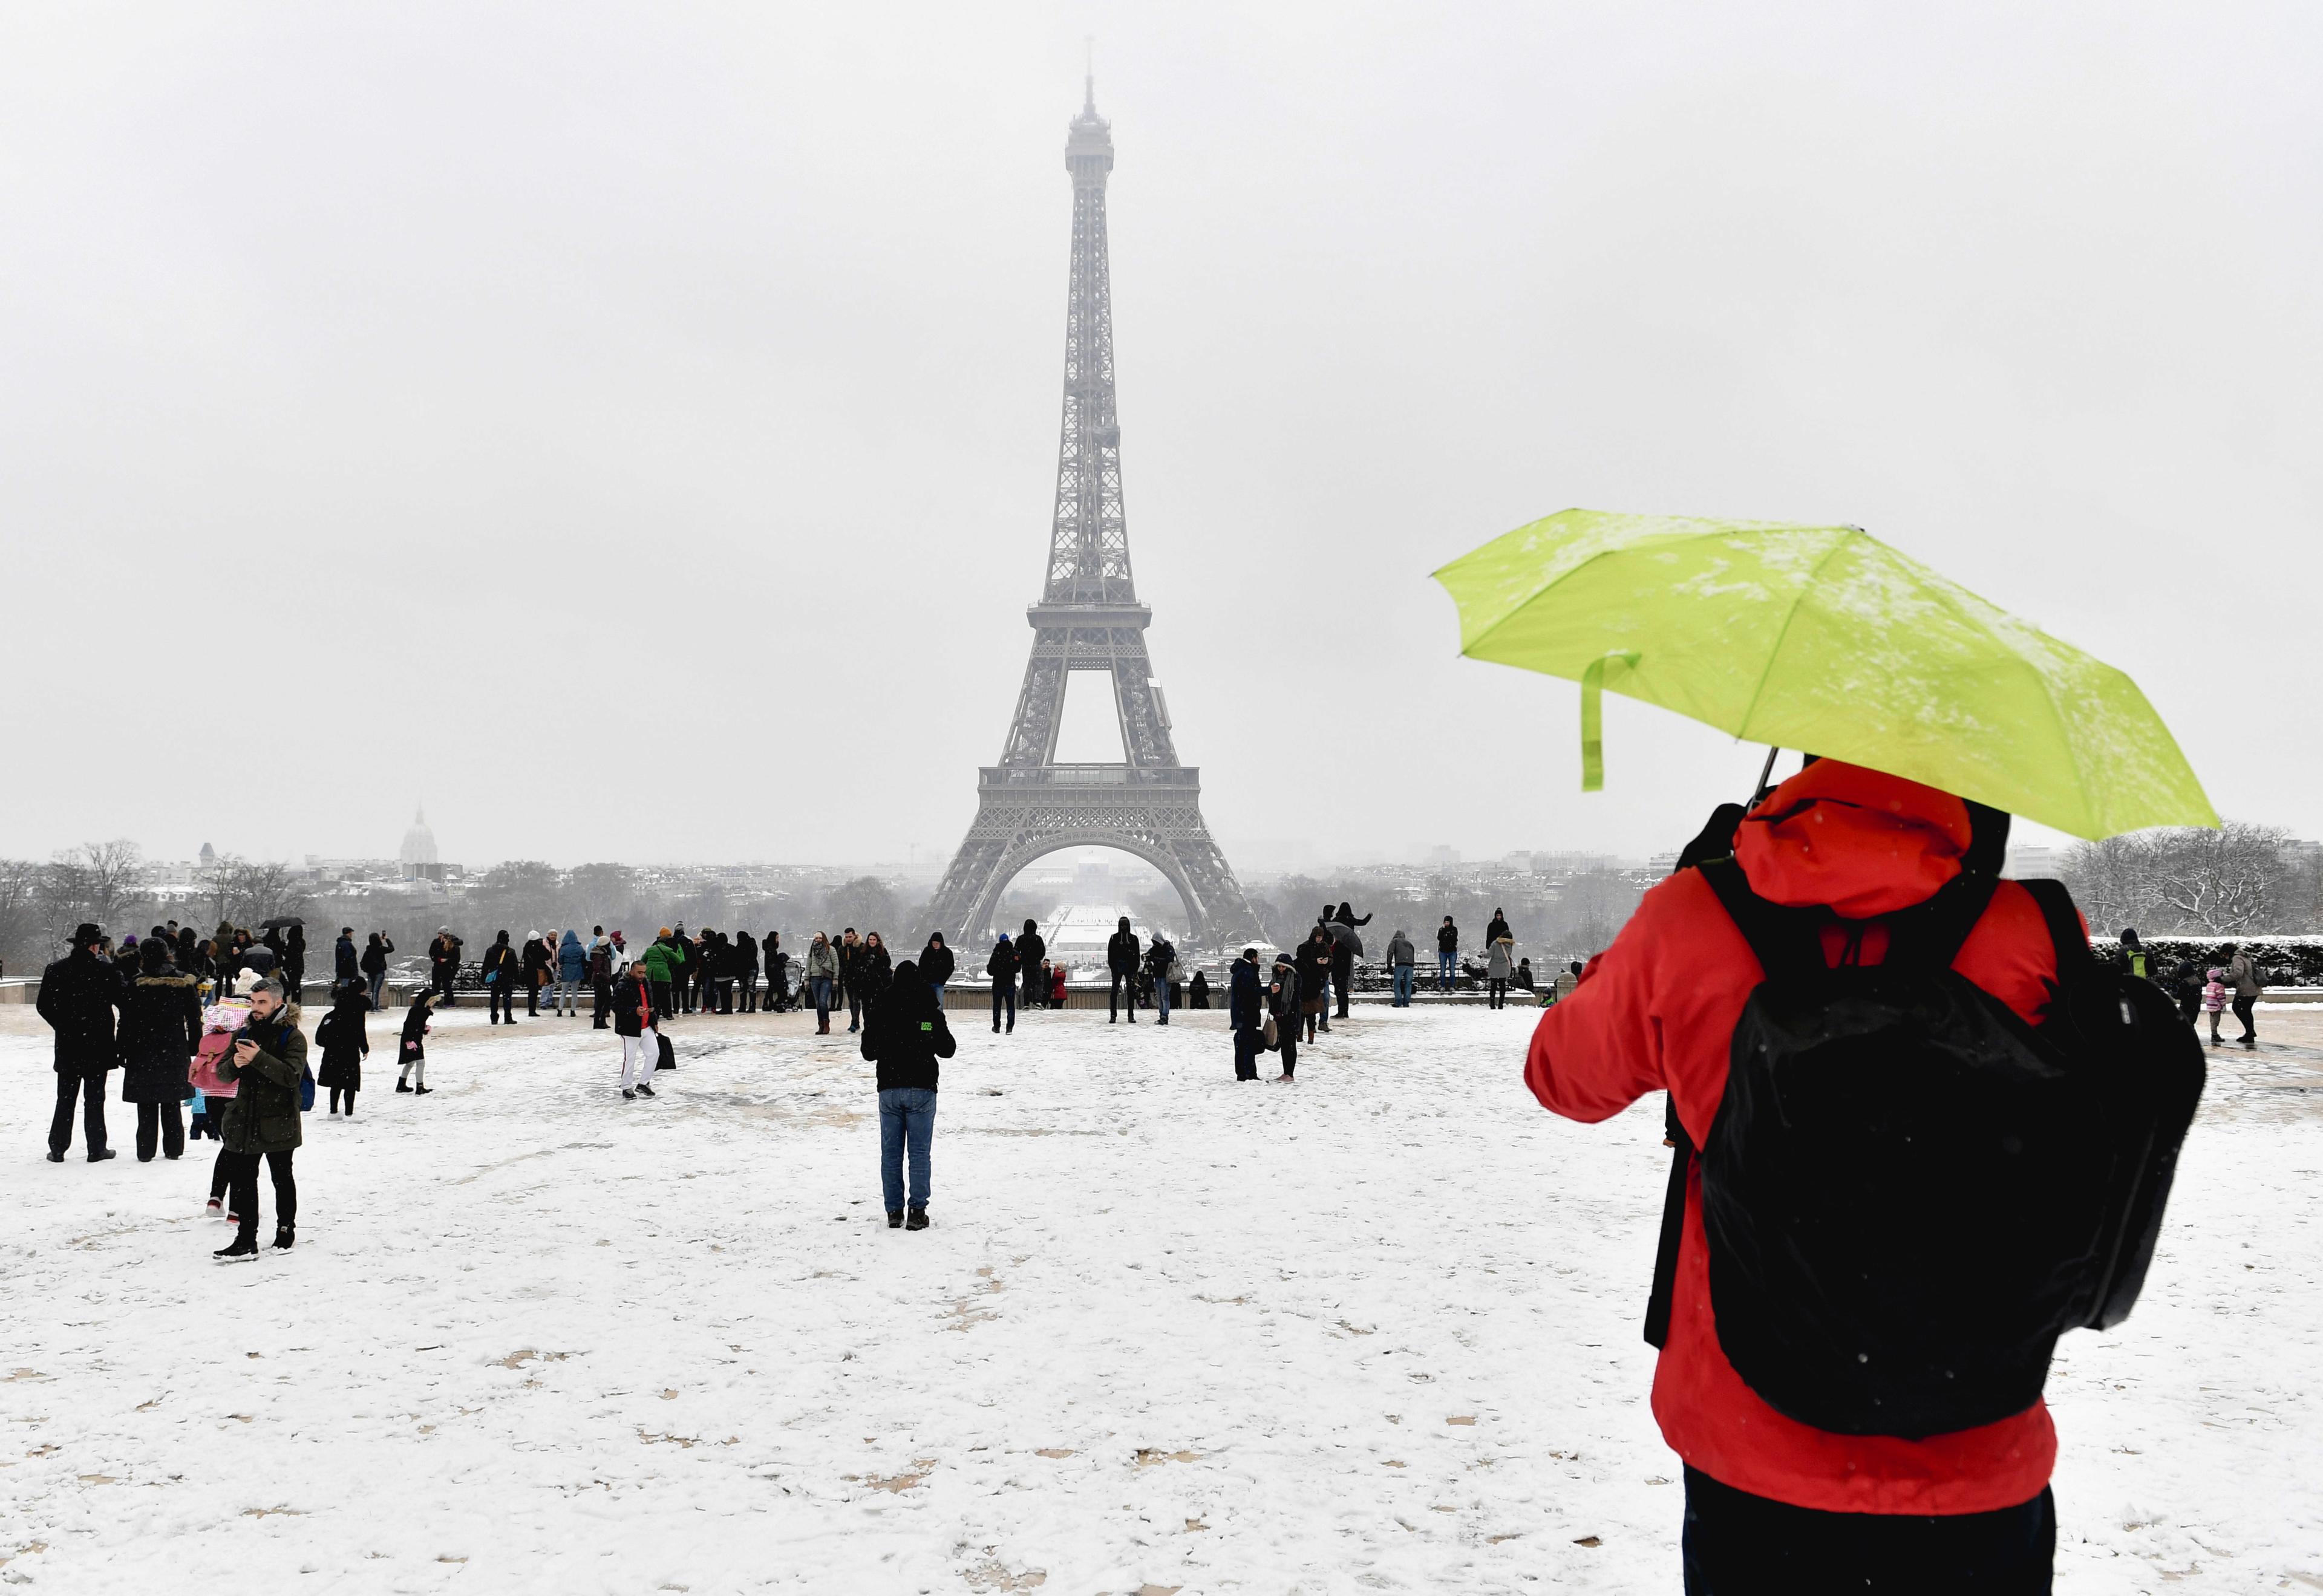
(139, 1005)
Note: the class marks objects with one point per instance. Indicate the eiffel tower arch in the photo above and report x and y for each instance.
(1088, 618)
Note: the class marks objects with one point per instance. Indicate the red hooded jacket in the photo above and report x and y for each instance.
(1656, 1011)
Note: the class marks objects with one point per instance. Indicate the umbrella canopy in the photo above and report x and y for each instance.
(279, 921)
(1825, 639)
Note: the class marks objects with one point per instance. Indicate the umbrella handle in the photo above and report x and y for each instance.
(1592, 716)
(1765, 773)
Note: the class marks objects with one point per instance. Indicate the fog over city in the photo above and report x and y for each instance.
(639, 441)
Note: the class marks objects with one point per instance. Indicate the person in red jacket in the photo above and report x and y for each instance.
(1773, 1504)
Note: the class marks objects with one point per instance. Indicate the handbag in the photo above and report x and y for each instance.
(1273, 1034)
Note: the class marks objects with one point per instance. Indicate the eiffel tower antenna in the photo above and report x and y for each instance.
(1088, 618)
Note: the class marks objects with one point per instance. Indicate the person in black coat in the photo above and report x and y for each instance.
(1001, 968)
(373, 966)
(1198, 991)
(1314, 963)
(501, 973)
(1121, 961)
(746, 970)
(905, 1034)
(160, 1028)
(535, 959)
(1245, 1013)
(344, 1044)
(1032, 947)
(78, 996)
(1346, 916)
(936, 965)
(345, 964)
(294, 959)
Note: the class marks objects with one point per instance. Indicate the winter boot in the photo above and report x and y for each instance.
(99, 1157)
(241, 1246)
(627, 1095)
(421, 1091)
(895, 1219)
(918, 1221)
(402, 1086)
(644, 1090)
(55, 1157)
(284, 1234)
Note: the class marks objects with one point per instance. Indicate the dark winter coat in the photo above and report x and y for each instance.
(263, 1116)
(1002, 966)
(746, 953)
(1496, 930)
(872, 974)
(1282, 994)
(414, 1047)
(907, 1034)
(1246, 997)
(1121, 952)
(444, 952)
(1447, 939)
(374, 955)
(346, 1043)
(160, 1028)
(631, 993)
(536, 961)
(1032, 947)
(936, 964)
(1314, 964)
(294, 953)
(1160, 956)
(1399, 951)
(1345, 948)
(343, 964)
(1198, 991)
(500, 962)
(78, 993)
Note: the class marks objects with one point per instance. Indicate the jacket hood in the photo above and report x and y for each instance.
(1860, 841)
(572, 940)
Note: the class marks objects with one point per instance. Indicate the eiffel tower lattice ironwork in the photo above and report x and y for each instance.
(1088, 618)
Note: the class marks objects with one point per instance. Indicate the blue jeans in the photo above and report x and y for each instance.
(822, 985)
(1403, 985)
(1161, 1001)
(937, 987)
(377, 982)
(907, 1114)
(1443, 963)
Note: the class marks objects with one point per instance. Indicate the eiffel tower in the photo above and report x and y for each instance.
(1088, 618)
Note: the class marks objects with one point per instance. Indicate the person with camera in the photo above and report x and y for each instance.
(265, 1066)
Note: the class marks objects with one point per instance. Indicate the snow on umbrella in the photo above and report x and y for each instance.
(1824, 638)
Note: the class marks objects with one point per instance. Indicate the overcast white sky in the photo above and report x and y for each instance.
(631, 429)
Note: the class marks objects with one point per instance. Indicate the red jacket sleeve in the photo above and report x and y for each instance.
(1599, 1050)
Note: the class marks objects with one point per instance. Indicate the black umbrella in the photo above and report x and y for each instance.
(279, 921)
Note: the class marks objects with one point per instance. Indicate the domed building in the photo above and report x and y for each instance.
(417, 854)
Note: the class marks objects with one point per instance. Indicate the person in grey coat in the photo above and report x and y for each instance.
(1400, 958)
(1499, 964)
(2242, 980)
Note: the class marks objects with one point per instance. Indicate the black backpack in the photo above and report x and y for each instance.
(1908, 1193)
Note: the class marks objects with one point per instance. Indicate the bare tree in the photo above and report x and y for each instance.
(2233, 879)
(19, 909)
(257, 890)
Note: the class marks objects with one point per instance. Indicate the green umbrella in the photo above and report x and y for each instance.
(1824, 638)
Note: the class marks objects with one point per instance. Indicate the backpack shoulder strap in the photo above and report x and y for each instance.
(1787, 940)
(1657, 1306)
(1931, 932)
(2072, 943)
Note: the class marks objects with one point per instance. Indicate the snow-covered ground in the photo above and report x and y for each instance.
(1375, 1331)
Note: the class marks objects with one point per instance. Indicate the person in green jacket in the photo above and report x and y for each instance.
(268, 1062)
(662, 957)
